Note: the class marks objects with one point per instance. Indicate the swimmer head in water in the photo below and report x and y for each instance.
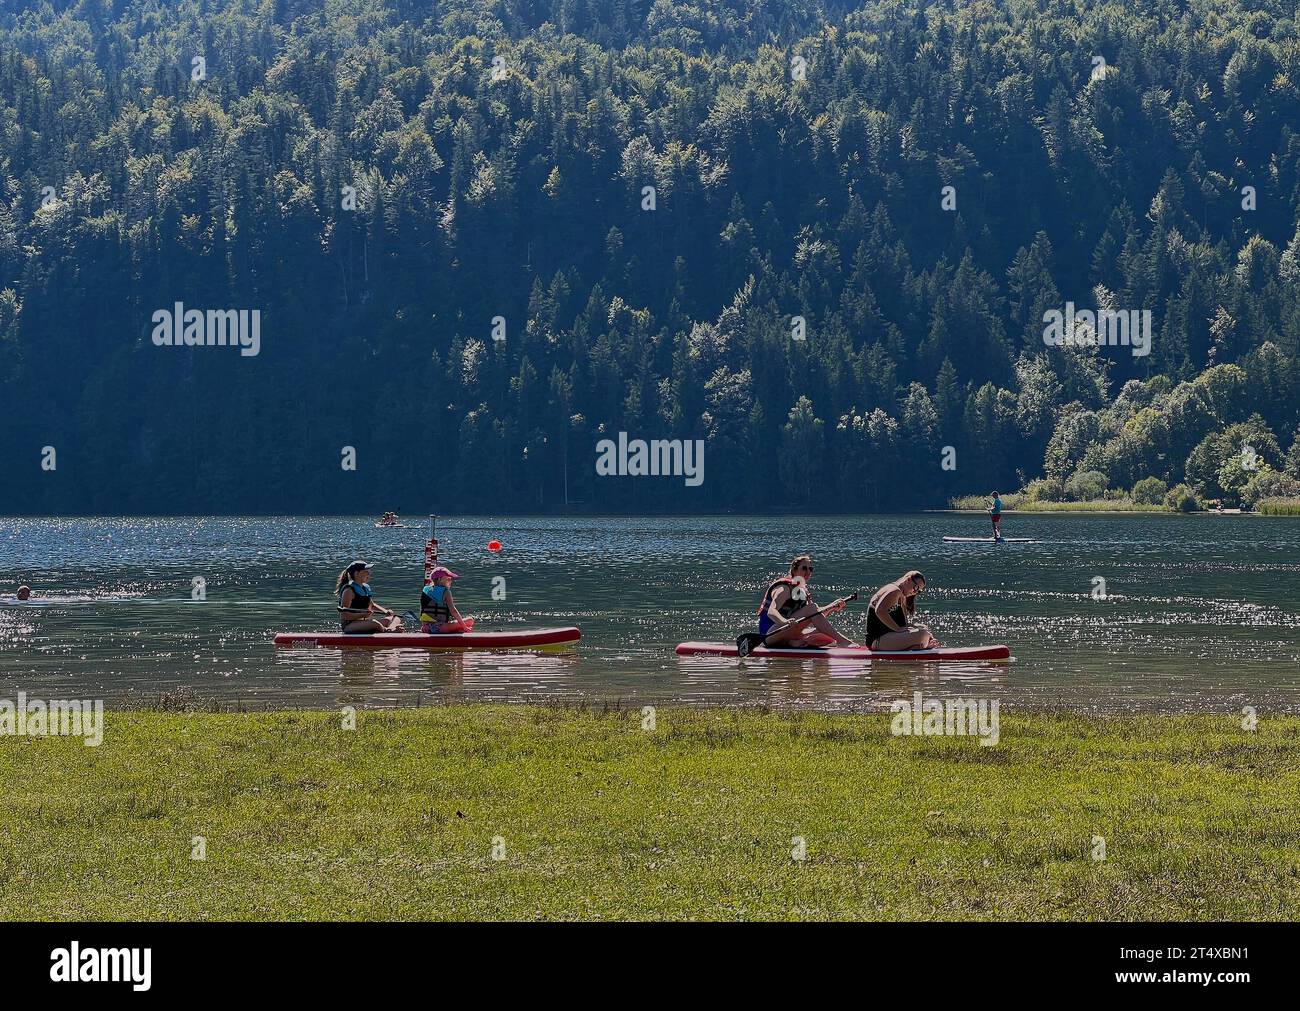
(24, 592)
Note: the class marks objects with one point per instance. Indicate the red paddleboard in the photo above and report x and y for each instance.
(944, 653)
(518, 639)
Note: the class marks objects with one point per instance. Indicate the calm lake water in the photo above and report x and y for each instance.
(1203, 612)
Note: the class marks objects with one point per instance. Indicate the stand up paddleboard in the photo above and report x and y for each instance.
(989, 540)
(944, 653)
(524, 638)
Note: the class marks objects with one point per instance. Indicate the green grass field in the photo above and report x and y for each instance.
(600, 819)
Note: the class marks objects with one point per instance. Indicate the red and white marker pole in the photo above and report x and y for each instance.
(430, 551)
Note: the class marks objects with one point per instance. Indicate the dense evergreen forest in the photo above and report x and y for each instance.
(644, 198)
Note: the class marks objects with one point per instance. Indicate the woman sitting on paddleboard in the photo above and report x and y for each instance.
(892, 607)
(437, 610)
(788, 617)
(358, 609)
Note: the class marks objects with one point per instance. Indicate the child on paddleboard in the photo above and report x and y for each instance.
(438, 612)
(359, 612)
(789, 618)
(889, 624)
(995, 511)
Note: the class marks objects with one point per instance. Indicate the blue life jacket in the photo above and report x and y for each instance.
(361, 596)
(433, 604)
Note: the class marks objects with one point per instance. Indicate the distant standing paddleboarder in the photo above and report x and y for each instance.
(995, 512)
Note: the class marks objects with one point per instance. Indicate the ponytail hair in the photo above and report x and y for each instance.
(346, 575)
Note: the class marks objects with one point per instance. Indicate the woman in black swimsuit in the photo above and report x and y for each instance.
(892, 607)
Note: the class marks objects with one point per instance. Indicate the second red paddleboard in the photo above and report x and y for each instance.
(945, 653)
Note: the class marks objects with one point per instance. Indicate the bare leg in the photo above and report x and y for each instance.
(933, 642)
(825, 627)
(911, 639)
(364, 625)
(790, 635)
(794, 634)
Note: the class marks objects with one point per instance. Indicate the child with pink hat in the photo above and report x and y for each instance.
(438, 612)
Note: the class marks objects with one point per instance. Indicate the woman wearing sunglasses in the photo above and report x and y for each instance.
(788, 617)
(889, 618)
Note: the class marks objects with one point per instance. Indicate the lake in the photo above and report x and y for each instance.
(1202, 613)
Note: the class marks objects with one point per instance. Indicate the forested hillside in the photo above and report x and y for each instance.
(384, 179)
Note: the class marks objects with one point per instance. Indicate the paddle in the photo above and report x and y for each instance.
(748, 641)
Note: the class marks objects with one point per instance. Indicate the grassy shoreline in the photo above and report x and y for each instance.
(1018, 502)
(601, 819)
(1266, 507)
(1071, 507)
(1279, 507)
